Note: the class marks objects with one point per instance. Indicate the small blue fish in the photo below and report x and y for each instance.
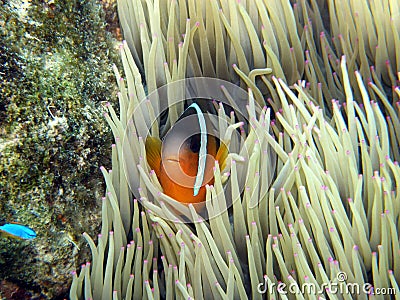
(17, 231)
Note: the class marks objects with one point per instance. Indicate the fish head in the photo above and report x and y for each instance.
(180, 154)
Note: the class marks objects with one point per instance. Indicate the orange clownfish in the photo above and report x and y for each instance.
(184, 160)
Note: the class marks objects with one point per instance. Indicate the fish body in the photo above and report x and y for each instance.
(17, 231)
(184, 160)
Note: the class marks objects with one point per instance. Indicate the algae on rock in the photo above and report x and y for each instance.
(56, 73)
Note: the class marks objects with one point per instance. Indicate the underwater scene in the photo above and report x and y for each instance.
(214, 149)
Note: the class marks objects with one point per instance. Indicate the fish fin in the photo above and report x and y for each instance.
(222, 155)
(153, 153)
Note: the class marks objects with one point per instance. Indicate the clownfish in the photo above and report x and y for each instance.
(17, 231)
(184, 160)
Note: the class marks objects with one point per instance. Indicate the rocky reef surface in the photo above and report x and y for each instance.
(55, 78)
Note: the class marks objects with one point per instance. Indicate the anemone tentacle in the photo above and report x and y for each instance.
(321, 179)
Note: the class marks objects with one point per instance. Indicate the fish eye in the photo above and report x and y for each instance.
(194, 143)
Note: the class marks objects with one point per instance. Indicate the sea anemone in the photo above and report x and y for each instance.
(313, 207)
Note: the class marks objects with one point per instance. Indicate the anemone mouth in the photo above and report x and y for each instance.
(309, 195)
